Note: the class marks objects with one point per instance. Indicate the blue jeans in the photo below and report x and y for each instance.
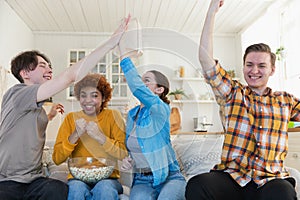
(173, 188)
(106, 189)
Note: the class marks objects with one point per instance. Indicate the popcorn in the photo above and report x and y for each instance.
(91, 175)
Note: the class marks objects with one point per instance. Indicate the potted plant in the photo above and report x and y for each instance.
(178, 93)
(280, 53)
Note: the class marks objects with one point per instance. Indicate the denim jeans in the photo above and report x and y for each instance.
(173, 188)
(106, 189)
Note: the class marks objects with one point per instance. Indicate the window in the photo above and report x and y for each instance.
(108, 66)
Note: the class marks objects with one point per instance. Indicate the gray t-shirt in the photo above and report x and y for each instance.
(23, 124)
(136, 151)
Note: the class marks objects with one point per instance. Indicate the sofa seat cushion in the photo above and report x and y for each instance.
(197, 154)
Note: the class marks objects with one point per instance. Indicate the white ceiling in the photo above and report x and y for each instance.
(185, 16)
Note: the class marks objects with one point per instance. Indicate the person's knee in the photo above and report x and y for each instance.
(106, 185)
(140, 195)
(76, 183)
(142, 191)
(194, 182)
(194, 186)
(278, 189)
(107, 189)
(56, 189)
(77, 187)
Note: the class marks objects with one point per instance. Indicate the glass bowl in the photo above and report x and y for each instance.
(90, 170)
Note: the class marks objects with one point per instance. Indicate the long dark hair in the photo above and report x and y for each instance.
(162, 81)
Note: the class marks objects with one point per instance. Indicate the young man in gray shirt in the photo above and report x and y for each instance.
(23, 121)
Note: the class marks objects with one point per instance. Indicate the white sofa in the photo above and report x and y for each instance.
(196, 154)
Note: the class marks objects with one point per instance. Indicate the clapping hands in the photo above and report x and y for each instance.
(91, 128)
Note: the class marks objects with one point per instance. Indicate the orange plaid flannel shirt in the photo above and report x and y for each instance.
(256, 139)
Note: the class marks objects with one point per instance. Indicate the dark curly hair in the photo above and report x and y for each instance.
(98, 81)
(162, 81)
(26, 60)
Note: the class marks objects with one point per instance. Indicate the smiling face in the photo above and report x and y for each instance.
(257, 70)
(90, 100)
(41, 74)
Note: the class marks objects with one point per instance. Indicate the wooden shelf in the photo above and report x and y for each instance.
(294, 130)
(195, 79)
(218, 133)
(197, 133)
(188, 79)
(193, 101)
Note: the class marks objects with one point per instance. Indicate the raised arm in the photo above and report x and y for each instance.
(77, 71)
(206, 40)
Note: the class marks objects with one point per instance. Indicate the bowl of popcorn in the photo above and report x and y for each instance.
(89, 169)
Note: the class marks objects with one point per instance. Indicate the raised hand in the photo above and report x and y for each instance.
(117, 35)
(216, 4)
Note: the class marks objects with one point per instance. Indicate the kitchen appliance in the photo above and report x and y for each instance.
(200, 124)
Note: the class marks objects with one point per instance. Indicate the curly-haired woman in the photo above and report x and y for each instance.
(95, 131)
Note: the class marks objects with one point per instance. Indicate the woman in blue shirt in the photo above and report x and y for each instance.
(156, 170)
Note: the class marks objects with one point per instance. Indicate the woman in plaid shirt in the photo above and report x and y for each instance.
(256, 123)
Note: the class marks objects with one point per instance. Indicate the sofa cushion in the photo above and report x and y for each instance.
(197, 154)
(52, 170)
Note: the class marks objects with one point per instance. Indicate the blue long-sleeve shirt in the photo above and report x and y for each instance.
(152, 126)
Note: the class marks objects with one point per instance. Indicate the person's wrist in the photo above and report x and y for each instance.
(50, 116)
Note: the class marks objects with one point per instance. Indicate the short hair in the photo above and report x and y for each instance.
(260, 47)
(28, 61)
(162, 81)
(98, 81)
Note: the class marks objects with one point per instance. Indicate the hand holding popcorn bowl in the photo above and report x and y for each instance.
(90, 170)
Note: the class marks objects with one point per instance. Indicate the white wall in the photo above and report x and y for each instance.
(265, 30)
(163, 49)
(166, 49)
(279, 27)
(15, 36)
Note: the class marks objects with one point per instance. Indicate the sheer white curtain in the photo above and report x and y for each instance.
(280, 26)
(290, 33)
